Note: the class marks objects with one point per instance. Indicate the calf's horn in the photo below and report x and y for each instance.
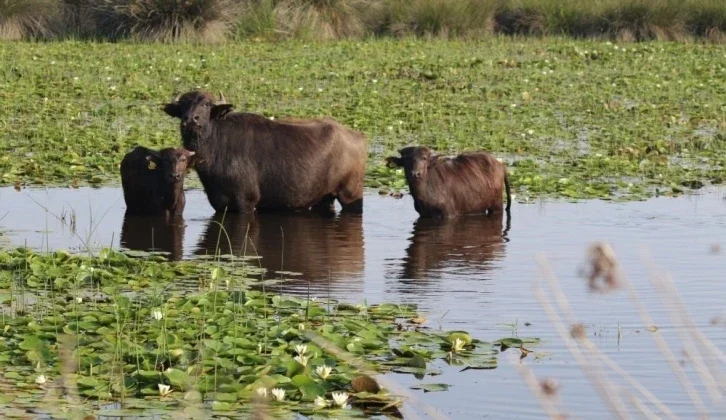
(222, 100)
(176, 98)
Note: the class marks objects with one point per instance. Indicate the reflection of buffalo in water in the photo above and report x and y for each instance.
(153, 233)
(466, 244)
(314, 244)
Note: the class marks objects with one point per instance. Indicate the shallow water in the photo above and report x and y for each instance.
(462, 273)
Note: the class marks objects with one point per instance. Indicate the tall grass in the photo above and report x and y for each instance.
(444, 18)
(325, 19)
(168, 20)
(605, 275)
(22, 19)
(257, 19)
(216, 20)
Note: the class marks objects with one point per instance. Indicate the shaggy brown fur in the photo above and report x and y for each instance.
(153, 182)
(247, 162)
(470, 183)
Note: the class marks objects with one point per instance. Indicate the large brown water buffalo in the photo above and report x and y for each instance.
(470, 183)
(153, 182)
(246, 161)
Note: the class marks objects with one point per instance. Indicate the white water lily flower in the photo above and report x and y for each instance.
(340, 398)
(261, 392)
(301, 349)
(79, 299)
(323, 371)
(301, 327)
(458, 345)
(320, 402)
(278, 393)
(41, 379)
(303, 360)
(164, 390)
(156, 314)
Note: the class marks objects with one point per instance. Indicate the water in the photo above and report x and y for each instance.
(462, 273)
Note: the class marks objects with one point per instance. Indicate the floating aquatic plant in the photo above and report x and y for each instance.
(227, 346)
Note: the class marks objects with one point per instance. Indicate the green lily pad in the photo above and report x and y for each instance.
(431, 387)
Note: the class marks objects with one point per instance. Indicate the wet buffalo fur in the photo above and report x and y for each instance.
(470, 183)
(153, 182)
(247, 162)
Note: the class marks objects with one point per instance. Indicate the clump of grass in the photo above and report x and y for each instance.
(257, 19)
(78, 18)
(325, 19)
(641, 20)
(707, 18)
(635, 20)
(21, 19)
(205, 21)
(442, 18)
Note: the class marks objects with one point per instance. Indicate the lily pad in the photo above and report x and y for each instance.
(432, 387)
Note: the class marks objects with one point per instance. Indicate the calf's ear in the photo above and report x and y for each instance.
(152, 160)
(219, 111)
(394, 161)
(173, 110)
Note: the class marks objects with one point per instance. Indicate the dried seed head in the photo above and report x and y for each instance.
(604, 270)
(578, 331)
(549, 387)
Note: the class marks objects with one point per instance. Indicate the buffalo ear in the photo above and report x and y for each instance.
(219, 111)
(394, 161)
(173, 110)
(152, 160)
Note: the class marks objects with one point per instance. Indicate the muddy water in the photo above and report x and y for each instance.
(463, 274)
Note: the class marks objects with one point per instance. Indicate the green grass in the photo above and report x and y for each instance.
(572, 118)
(82, 331)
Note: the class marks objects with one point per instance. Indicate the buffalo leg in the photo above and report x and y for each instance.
(220, 203)
(350, 196)
(247, 203)
(325, 205)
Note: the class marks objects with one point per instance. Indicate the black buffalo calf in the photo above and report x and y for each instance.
(153, 182)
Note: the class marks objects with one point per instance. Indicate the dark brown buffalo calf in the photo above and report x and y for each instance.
(470, 183)
(247, 162)
(153, 182)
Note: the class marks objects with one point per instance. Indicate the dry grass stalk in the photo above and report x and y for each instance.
(578, 330)
(539, 389)
(690, 334)
(592, 370)
(604, 265)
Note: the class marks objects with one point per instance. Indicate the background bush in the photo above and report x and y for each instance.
(23, 19)
(220, 20)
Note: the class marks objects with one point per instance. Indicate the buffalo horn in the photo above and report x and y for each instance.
(222, 100)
